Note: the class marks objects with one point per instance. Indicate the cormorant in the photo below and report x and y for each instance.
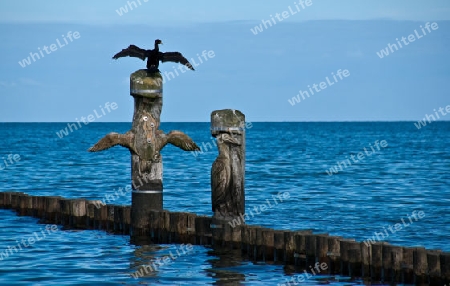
(153, 56)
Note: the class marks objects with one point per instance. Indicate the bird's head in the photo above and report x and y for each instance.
(225, 137)
(158, 42)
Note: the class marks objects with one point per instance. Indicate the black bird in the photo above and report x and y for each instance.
(153, 56)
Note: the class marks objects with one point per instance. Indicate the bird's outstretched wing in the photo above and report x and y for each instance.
(131, 51)
(113, 139)
(179, 139)
(175, 57)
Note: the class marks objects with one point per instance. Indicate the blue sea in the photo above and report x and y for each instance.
(389, 181)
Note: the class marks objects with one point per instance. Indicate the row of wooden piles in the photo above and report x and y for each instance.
(375, 262)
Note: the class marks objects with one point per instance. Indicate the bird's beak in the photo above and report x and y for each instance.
(161, 43)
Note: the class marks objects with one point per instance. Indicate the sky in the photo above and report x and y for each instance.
(261, 71)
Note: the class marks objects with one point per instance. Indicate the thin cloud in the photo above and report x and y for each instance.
(355, 54)
(21, 82)
(7, 84)
(29, 82)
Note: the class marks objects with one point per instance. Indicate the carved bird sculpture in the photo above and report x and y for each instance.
(149, 146)
(153, 56)
(222, 176)
(176, 138)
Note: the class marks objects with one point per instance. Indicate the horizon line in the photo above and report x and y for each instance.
(338, 121)
(206, 22)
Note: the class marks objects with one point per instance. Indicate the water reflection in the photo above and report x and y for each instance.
(224, 262)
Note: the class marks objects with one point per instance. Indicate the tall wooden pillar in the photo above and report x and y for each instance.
(145, 141)
(146, 164)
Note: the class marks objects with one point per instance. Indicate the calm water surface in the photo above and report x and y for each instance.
(412, 173)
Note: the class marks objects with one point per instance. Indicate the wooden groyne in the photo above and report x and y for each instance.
(374, 262)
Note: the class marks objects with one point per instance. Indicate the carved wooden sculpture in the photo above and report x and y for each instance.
(227, 172)
(145, 141)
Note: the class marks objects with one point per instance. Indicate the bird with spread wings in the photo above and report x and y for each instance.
(153, 56)
(127, 140)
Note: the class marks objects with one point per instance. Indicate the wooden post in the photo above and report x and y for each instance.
(7, 198)
(77, 213)
(228, 170)
(110, 218)
(252, 237)
(300, 249)
(434, 266)
(39, 205)
(259, 249)
(289, 250)
(146, 162)
(22, 204)
(310, 248)
(227, 173)
(164, 226)
(322, 248)
(64, 205)
(100, 217)
(278, 241)
(346, 248)
(420, 265)
(52, 207)
(366, 252)
(203, 230)
(334, 254)
(29, 205)
(408, 265)
(377, 261)
(392, 256)
(118, 216)
(90, 207)
(145, 141)
(15, 201)
(177, 227)
(126, 219)
(268, 242)
(445, 267)
(355, 261)
(191, 230)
